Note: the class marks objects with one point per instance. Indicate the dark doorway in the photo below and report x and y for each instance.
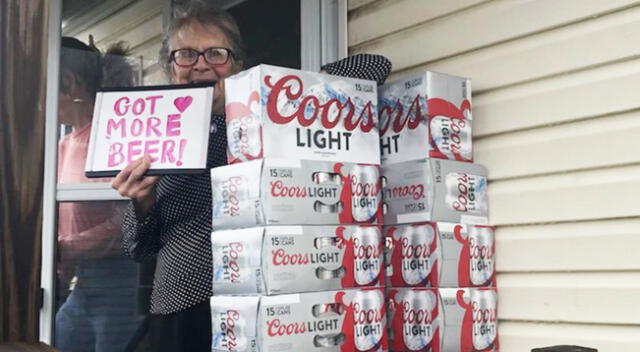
(271, 30)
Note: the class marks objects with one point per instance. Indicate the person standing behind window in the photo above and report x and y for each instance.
(100, 314)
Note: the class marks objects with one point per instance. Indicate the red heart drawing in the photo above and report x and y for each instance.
(182, 103)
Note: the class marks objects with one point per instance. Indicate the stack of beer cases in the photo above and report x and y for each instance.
(297, 241)
(439, 249)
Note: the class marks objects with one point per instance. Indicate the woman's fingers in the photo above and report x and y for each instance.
(144, 187)
(123, 175)
(138, 172)
(131, 182)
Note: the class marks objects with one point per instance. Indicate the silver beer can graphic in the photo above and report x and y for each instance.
(324, 208)
(321, 177)
(417, 258)
(484, 304)
(420, 318)
(229, 328)
(452, 137)
(466, 193)
(481, 252)
(367, 247)
(244, 137)
(231, 263)
(369, 319)
(365, 192)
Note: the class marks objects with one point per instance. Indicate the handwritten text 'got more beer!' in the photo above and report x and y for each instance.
(138, 130)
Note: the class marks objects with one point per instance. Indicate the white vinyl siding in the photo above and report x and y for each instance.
(557, 123)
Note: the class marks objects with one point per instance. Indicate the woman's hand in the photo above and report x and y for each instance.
(132, 183)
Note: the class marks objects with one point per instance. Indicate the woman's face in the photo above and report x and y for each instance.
(199, 37)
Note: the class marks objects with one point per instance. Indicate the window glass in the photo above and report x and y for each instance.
(102, 295)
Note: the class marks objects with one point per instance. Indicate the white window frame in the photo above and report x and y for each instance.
(323, 39)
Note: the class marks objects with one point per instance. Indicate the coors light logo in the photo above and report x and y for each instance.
(418, 252)
(480, 320)
(243, 129)
(367, 248)
(231, 265)
(413, 191)
(485, 318)
(368, 316)
(308, 108)
(452, 138)
(229, 201)
(281, 190)
(365, 190)
(280, 257)
(481, 252)
(466, 193)
(420, 320)
(397, 116)
(228, 331)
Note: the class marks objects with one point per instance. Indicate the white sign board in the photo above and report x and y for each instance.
(170, 124)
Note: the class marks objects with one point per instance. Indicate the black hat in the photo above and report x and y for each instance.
(363, 66)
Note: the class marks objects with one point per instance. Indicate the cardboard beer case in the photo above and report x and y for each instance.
(276, 112)
(426, 115)
(295, 192)
(332, 321)
(435, 190)
(292, 259)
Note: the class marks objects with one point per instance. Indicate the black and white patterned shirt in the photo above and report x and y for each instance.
(178, 230)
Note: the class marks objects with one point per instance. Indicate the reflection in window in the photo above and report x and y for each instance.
(99, 288)
(83, 71)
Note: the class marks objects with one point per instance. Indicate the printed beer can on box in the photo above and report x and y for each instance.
(435, 190)
(468, 255)
(471, 319)
(440, 255)
(333, 321)
(276, 112)
(295, 192)
(414, 255)
(416, 320)
(291, 259)
(427, 115)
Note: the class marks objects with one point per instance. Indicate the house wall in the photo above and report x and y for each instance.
(557, 120)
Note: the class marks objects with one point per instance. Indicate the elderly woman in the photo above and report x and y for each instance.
(171, 216)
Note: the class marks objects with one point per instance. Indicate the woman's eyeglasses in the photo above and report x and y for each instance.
(213, 56)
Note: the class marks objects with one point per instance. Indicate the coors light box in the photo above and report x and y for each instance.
(292, 259)
(328, 321)
(275, 112)
(435, 190)
(427, 115)
(295, 192)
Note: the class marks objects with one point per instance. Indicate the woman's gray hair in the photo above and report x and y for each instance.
(203, 13)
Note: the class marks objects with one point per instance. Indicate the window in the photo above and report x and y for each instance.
(90, 288)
